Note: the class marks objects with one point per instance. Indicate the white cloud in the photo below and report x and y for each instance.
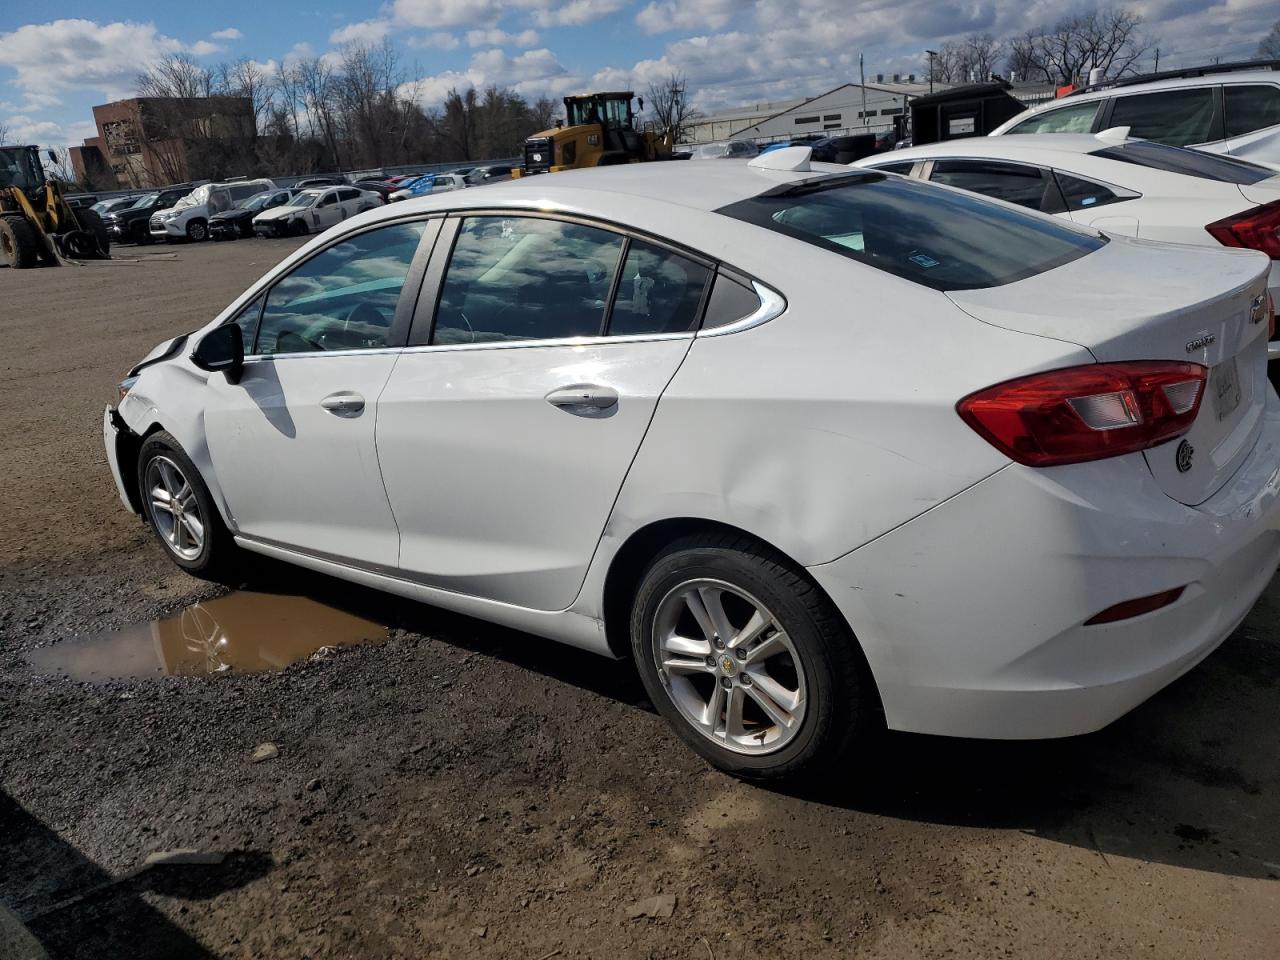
(531, 74)
(366, 31)
(48, 58)
(231, 33)
(447, 13)
(576, 12)
(25, 129)
(498, 38)
(662, 16)
(203, 48)
(440, 40)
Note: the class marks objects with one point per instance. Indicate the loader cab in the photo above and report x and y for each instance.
(20, 167)
(611, 110)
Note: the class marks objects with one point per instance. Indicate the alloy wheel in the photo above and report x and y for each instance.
(175, 511)
(729, 667)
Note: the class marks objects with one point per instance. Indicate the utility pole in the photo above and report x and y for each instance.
(862, 81)
(1157, 69)
(932, 54)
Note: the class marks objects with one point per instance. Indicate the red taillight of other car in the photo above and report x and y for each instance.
(1087, 413)
(1256, 229)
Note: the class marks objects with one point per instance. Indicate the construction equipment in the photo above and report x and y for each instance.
(600, 130)
(36, 222)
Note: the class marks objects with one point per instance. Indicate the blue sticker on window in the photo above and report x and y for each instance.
(920, 260)
(1088, 200)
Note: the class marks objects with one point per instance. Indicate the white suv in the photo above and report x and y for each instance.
(1233, 110)
(188, 219)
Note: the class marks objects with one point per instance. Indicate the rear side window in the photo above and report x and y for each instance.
(1013, 182)
(524, 278)
(937, 238)
(659, 292)
(898, 166)
(730, 301)
(1077, 118)
(1251, 108)
(1190, 163)
(1081, 194)
(1177, 117)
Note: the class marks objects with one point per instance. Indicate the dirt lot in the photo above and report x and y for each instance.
(462, 790)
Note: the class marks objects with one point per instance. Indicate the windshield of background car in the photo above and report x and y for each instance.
(145, 201)
(307, 198)
(711, 151)
(1192, 163)
(940, 238)
(257, 201)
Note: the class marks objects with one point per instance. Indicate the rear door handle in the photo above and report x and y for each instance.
(583, 397)
(345, 404)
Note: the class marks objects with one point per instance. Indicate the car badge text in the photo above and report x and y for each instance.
(1200, 342)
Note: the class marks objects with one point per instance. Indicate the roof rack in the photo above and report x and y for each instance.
(1187, 72)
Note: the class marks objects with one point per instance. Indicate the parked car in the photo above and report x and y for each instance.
(428, 184)
(1233, 109)
(238, 221)
(314, 210)
(1117, 184)
(188, 219)
(724, 150)
(380, 187)
(132, 224)
(103, 207)
(943, 463)
(479, 175)
(319, 182)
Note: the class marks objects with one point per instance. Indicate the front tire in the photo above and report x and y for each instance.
(749, 660)
(197, 231)
(19, 245)
(178, 506)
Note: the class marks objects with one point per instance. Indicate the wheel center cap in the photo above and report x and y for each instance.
(727, 666)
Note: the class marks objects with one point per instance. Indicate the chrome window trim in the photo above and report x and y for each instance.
(772, 306)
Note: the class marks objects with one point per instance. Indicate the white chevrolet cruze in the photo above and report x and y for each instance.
(820, 449)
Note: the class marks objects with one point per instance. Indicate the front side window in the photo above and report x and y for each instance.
(247, 317)
(343, 298)
(1077, 118)
(938, 238)
(660, 292)
(1251, 107)
(524, 278)
(1177, 117)
(1024, 185)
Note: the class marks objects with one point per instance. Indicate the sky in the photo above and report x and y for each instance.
(732, 52)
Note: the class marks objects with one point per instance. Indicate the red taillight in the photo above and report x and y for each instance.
(1087, 413)
(1256, 229)
(1135, 608)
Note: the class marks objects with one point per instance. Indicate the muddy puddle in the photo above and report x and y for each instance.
(244, 632)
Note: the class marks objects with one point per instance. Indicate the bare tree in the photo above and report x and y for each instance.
(670, 106)
(1269, 48)
(59, 166)
(4, 132)
(315, 81)
(543, 113)
(970, 60)
(1107, 38)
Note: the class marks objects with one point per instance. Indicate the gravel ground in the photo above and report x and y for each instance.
(462, 790)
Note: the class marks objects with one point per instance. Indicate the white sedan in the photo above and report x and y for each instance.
(1113, 183)
(314, 210)
(819, 449)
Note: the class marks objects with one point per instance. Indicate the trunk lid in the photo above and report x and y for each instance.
(1137, 300)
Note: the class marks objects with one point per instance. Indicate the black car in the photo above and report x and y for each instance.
(238, 221)
(130, 225)
(380, 187)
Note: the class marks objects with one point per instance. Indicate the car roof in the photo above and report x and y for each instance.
(1023, 144)
(697, 184)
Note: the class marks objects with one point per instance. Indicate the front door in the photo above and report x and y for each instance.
(292, 443)
(505, 435)
(326, 212)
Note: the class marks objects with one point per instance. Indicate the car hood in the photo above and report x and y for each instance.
(127, 216)
(279, 213)
(237, 214)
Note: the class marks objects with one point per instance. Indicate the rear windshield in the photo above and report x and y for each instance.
(940, 238)
(1192, 163)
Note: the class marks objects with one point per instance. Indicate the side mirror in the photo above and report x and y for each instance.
(640, 100)
(221, 349)
(53, 157)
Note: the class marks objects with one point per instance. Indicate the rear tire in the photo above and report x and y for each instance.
(19, 244)
(181, 512)
(797, 694)
(92, 223)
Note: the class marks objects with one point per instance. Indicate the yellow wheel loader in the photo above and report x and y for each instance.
(36, 222)
(600, 130)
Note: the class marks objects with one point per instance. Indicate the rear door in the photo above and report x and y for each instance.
(326, 211)
(509, 424)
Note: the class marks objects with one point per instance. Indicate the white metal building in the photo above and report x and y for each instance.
(850, 108)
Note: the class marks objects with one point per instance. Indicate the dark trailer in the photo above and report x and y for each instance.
(970, 111)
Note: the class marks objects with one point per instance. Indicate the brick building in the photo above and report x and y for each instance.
(153, 141)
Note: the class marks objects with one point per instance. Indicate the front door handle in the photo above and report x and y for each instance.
(345, 404)
(583, 398)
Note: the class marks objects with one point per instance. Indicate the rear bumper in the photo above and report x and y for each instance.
(972, 615)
